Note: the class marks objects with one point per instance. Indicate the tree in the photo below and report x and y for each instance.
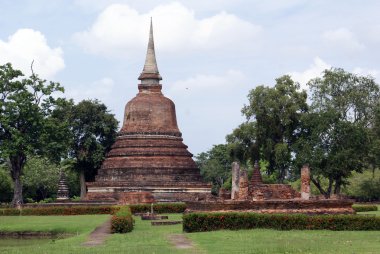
(215, 165)
(273, 123)
(335, 139)
(25, 105)
(93, 131)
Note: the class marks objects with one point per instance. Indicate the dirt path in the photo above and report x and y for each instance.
(99, 235)
(180, 241)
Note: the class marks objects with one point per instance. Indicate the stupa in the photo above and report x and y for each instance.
(149, 160)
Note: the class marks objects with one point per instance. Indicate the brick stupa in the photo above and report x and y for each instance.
(148, 161)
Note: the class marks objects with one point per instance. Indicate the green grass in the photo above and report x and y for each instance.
(147, 239)
(143, 239)
(66, 224)
(377, 213)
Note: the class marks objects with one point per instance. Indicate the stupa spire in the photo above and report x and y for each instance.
(150, 74)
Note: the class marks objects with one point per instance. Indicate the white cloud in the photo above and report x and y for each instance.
(120, 29)
(26, 45)
(365, 72)
(314, 70)
(202, 83)
(342, 38)
(101, 89)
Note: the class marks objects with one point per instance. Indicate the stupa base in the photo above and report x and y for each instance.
(148, 194)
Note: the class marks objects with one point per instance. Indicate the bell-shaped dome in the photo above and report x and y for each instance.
(150, 113)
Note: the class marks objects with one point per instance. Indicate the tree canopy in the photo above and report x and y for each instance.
(25, 105)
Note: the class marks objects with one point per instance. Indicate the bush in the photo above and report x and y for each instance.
(364, 208)
(159, 208)
(60, 210)
(122, 221)
(198, 222)
(364, 186)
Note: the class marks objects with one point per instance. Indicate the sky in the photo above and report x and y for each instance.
(209, 53)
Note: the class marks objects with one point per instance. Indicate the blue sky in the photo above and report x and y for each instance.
(209, 53)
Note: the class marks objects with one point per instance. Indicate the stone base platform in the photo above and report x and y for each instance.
(148, 194)
(274, 206)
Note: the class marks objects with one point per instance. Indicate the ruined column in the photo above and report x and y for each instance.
(243, 185)
(63, 189)
(256, 175)
(305, 182)
(235, 180)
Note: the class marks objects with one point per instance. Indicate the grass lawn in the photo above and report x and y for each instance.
(147, 239)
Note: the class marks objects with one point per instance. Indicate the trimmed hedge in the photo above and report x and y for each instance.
(81, 210)
(122, 221)
(364, 208)
(198, 222)
(159, 208)
(60, 210)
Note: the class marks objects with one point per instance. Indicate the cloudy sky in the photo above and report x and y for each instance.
(209, 53)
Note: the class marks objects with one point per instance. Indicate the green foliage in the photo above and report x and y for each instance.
(122, 221)
(364, 208)
(273, 121)
(6, 188)
(25, 107)
(215, 166)
(159, 208)
(335, 139)
(364, 186)
(59, 210)
(199, 222)
(92, 132)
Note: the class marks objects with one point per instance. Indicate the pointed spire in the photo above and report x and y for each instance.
(150, 74)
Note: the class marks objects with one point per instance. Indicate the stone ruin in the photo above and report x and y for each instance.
(255, 196)
(149, 161)
(63, 189)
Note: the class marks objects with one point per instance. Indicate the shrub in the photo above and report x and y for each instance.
(198, 222)
(60, 210)
(122, 221)
(159, 208)
(364, 208)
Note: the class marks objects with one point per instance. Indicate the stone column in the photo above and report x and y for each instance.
(243, 185)
(256, 175)
(305, 182)
(235, 180)
(63, 189)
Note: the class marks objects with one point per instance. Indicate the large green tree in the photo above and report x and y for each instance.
(336, 138)
(273, 123)
(215, 165)
(92, 132)
(25, 106)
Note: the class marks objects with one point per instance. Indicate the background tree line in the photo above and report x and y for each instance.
(42, 133)
(333, 127)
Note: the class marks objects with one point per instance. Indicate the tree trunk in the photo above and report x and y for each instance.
(338, 184)
(319, 187)
(17, 163)
(82, 184)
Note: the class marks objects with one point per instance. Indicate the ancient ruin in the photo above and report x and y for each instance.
(63, 189)
(255, 196)
(149, 162)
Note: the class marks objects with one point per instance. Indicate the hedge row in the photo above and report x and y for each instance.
(122, 221)
(159, 208)
(80, 210)
(60, 210)
(364, 208)
(198, 222)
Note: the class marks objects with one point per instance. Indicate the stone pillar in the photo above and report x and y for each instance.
(305, 182)
(256, 176)
(235, 180)
(243, 185)
(63, 189)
